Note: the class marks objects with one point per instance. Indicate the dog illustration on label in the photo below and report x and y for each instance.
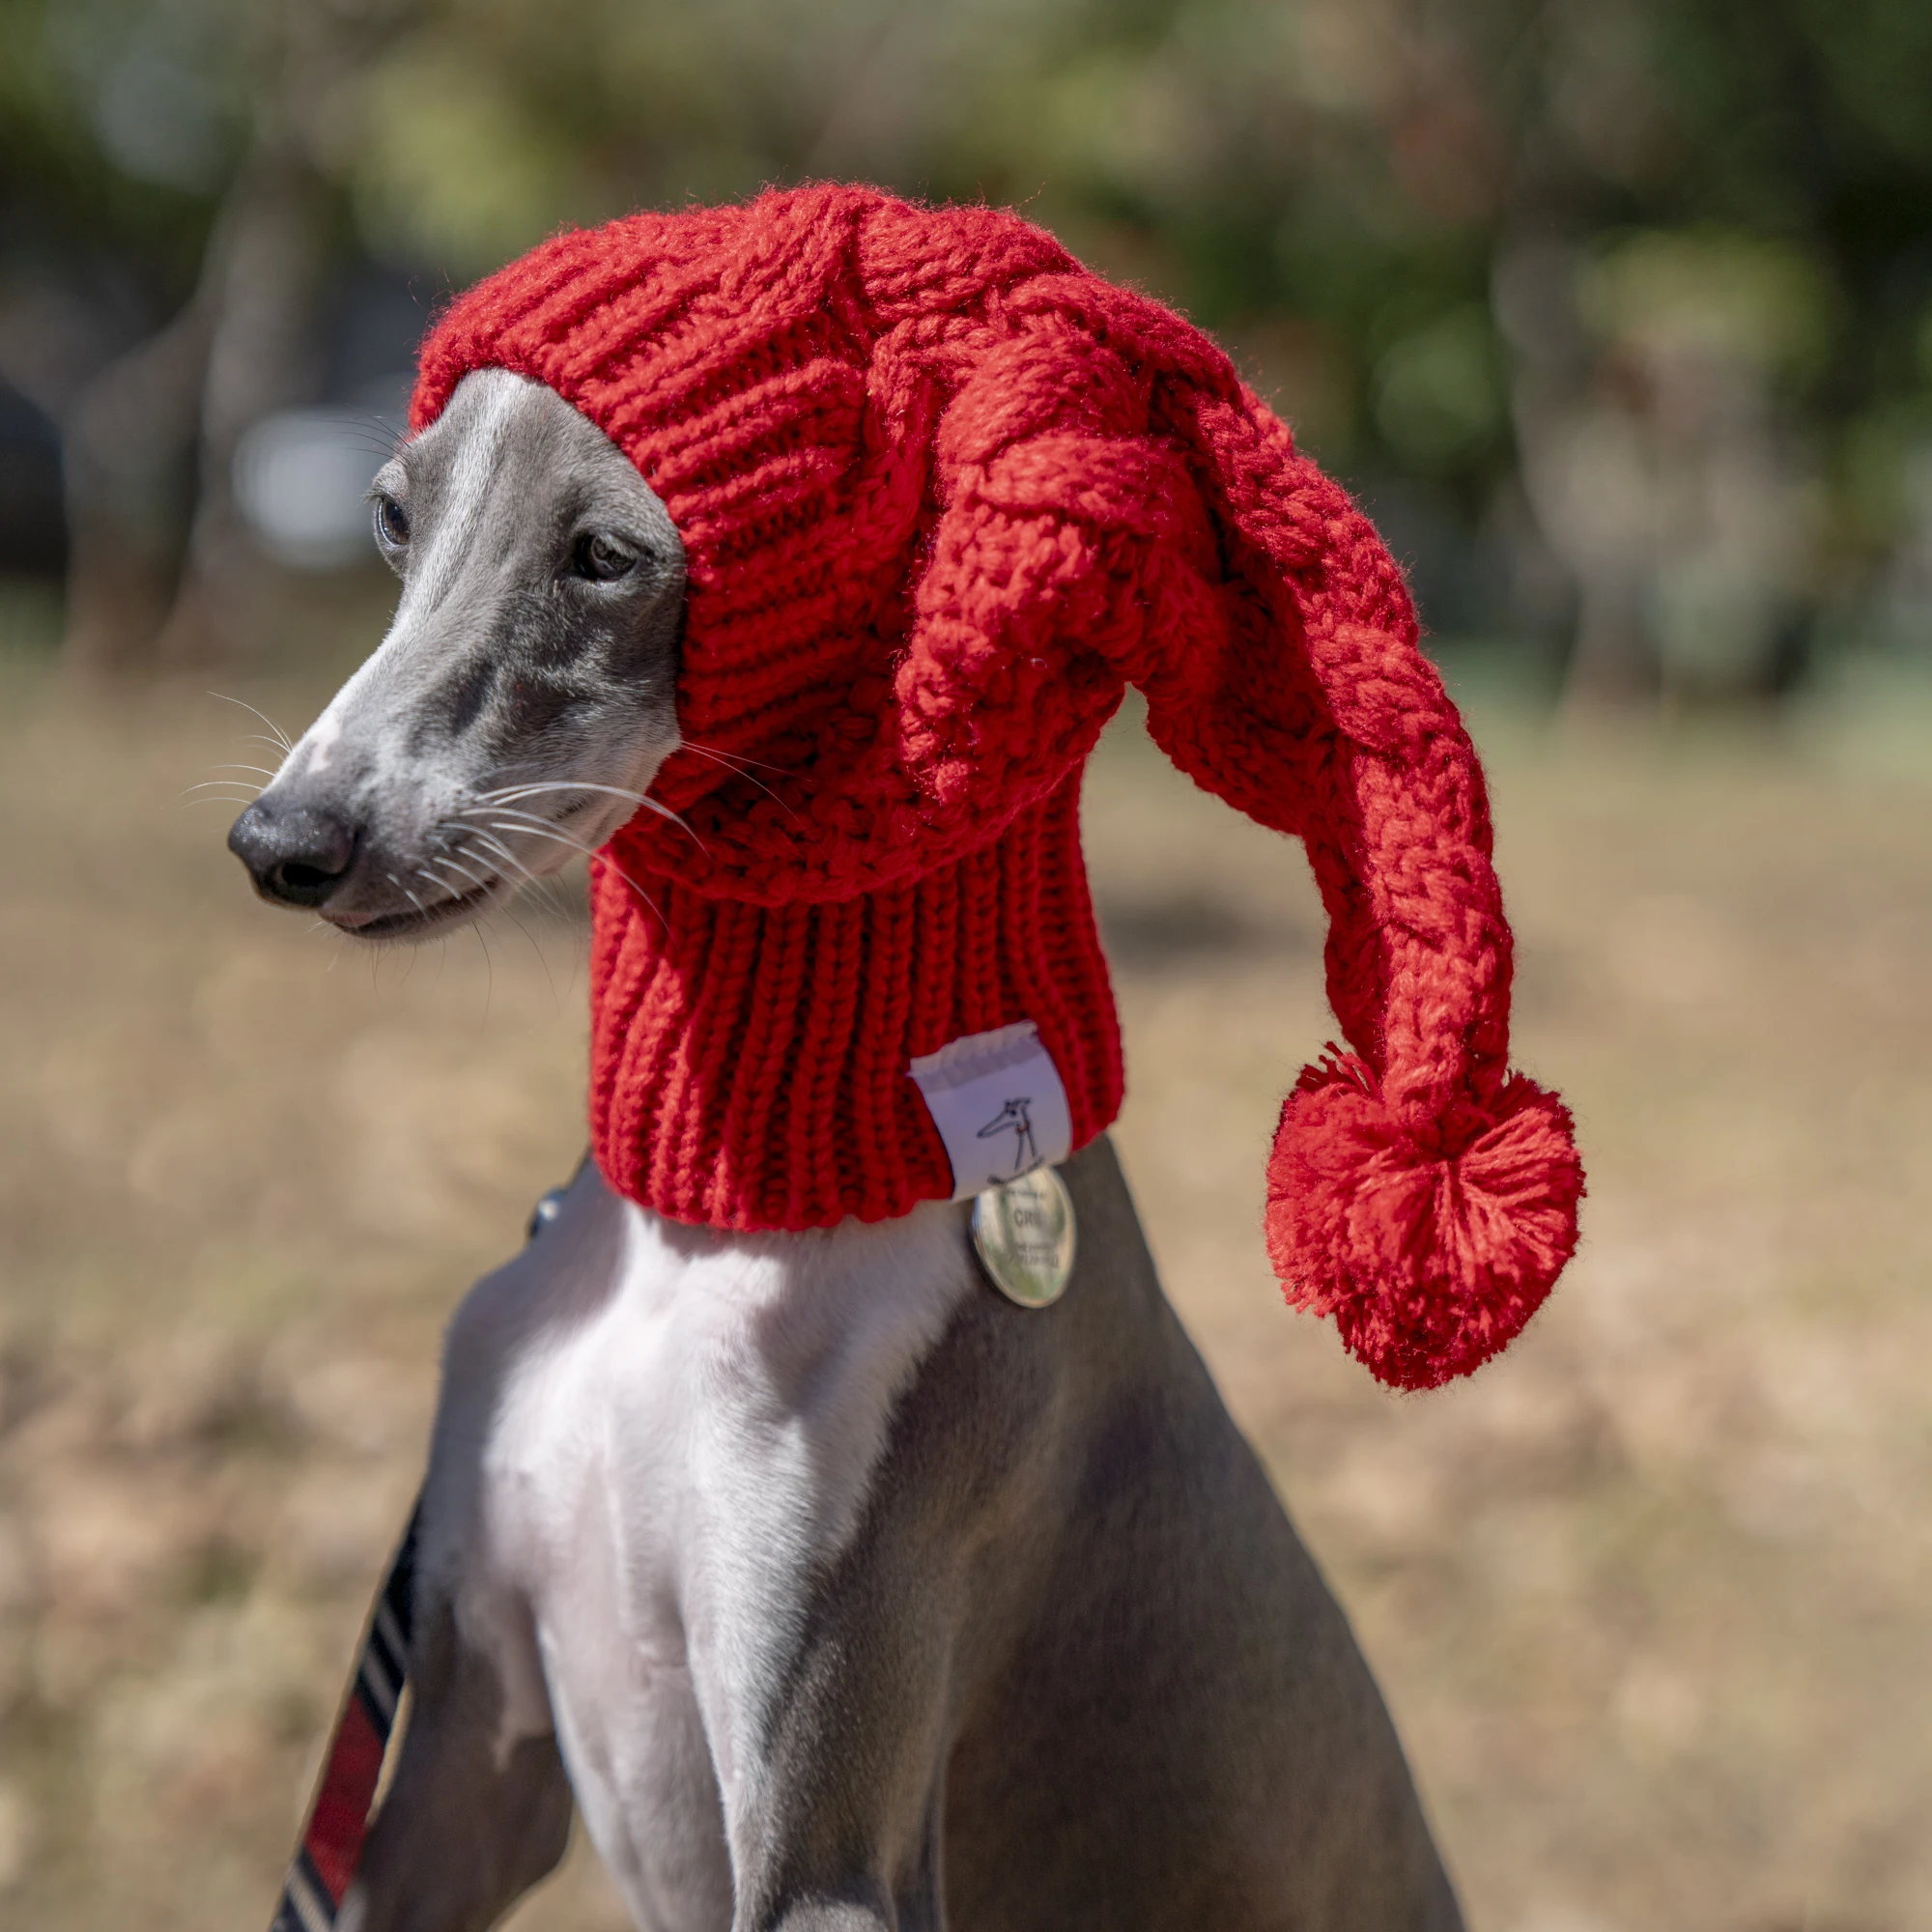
(1013, 1118)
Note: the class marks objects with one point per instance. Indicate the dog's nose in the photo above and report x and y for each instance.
(295, 854)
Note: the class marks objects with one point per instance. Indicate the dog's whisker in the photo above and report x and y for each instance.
(665, 811)
(489, 971)
(526, 821)
(510, 820)
(281, 737)
(531, 823)
(537, 829)
(547, 887)
(482, 884)
(449, 892)
(737, 759)
(732, 764)
(453, 890)
(507, 857)
(556, 998)
(498, 801)
(242, 784)
(578, 845)
(509, 793)
(406, 893)
(494, 844)
(515, 803)
(562, 784)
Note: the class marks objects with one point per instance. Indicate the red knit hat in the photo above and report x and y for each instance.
(944, 493)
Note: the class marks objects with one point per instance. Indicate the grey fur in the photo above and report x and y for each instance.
(1067, 1668)
(505, 672)
(1071, 1672)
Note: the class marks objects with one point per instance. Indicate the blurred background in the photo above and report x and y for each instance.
(1618, 316)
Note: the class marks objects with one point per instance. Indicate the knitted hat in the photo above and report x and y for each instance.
(944, 493)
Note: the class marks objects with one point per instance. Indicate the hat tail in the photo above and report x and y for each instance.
(1122, 505)
(1418, 1191)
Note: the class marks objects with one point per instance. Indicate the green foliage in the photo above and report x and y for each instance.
(1325, 183)
(121, 121)
(1766, 302)
(1438, 391)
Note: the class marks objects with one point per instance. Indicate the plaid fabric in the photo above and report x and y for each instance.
(338, 1815)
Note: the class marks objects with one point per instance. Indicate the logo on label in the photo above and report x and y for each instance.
(1013, 1118)
(999, 1105)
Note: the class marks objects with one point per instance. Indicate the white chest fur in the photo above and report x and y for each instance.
(650, 1439)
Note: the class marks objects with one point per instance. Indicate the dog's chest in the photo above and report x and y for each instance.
(682, 1434)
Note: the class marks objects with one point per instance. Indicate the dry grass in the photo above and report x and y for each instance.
(1648, 1597)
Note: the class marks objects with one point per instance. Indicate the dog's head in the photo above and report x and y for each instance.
(524, 697)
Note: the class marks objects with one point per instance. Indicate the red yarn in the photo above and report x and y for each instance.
(944, 493)
(1430, 1252)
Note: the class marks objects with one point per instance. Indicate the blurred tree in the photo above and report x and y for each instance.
(119, 199)
(1402, 215)
(1340, 188)
(215, 107)
(243, 346)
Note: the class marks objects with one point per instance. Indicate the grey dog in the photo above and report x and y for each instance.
(839, 1592)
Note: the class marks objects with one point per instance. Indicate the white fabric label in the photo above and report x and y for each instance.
(998, 1106)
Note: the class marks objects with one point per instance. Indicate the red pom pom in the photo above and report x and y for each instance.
(1431, 1262)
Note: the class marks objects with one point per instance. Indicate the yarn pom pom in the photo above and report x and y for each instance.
(1429, 1258)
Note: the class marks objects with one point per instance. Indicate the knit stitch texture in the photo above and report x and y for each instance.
(944, 493)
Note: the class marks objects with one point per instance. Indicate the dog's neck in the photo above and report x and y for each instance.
(751, 1066)
(757, 1376)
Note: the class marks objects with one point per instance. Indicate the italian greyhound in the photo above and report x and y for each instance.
(841, 1593)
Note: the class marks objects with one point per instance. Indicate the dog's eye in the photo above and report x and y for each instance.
(603, 560)
(392, 524)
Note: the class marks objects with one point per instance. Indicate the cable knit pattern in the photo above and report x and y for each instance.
(944, 493)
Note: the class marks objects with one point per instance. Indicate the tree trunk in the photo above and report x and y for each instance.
(128, 455)
(163, 571)
(260, 358)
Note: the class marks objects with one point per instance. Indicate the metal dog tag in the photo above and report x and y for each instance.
(1024, 1234)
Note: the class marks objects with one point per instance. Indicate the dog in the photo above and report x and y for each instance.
(839, 1593)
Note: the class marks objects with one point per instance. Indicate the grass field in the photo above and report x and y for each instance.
(1649, 1597)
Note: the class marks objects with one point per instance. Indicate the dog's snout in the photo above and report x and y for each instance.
(295, 854)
